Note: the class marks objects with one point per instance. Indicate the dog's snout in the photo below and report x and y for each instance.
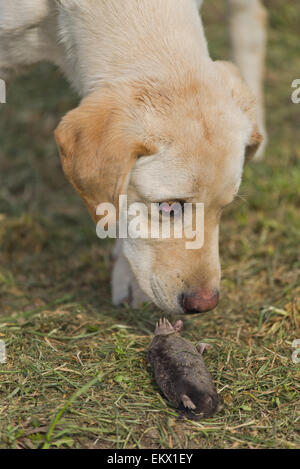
(199, 301)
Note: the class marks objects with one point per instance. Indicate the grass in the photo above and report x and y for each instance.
(76, 374)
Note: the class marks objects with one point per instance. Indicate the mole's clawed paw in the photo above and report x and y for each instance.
(187, 402)
(202, 347)
(163, 327)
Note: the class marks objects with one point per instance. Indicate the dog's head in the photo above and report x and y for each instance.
(185, 140)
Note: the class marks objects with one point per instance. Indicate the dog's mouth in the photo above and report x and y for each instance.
(161, 299)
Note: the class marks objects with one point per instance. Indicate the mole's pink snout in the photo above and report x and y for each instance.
(178, 326)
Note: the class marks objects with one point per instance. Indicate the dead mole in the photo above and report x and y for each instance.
(180, 371)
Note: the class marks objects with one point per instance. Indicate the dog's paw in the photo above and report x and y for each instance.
(125, 289)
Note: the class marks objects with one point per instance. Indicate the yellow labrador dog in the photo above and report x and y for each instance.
(159, 121)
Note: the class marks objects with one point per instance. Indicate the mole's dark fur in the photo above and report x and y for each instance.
(180, 372)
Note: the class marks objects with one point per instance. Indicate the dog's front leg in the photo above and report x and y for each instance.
(125, 288)
(247, 22)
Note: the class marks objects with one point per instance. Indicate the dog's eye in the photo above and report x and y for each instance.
(171, 207)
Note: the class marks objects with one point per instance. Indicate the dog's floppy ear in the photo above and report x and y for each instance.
(243, 96)
(98, 145)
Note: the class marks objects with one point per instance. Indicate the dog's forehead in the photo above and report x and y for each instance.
(161, 176)
(181, 171)
(200, 152)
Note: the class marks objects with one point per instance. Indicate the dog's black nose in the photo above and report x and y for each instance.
(199, 301)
